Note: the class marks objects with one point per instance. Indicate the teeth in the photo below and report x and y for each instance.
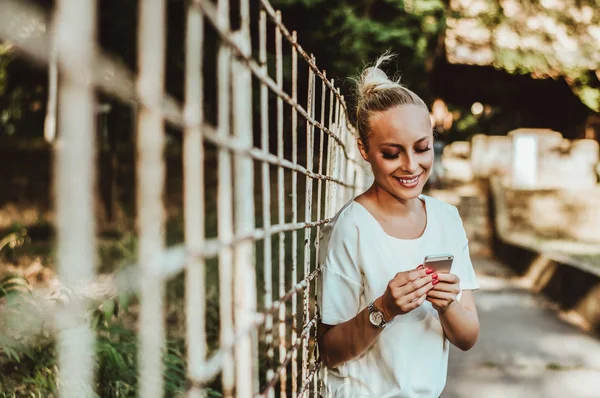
(408, 181)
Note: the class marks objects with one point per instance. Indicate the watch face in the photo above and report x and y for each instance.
(376, 318)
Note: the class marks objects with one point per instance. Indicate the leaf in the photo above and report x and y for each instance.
(108, 306)
(97, 319)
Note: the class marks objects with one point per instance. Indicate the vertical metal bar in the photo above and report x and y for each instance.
(74, 189)
(244, 270)
(343, 157)
(294, 213)
(266, 191)
(193, 164)
(151, 175)
(320, 167)
(328, 170)
(281, 203)
(335, 161)
(308, 213)
(224, 204)
(50, 120)
(317, 381)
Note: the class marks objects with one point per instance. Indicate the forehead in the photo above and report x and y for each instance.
(403, 124)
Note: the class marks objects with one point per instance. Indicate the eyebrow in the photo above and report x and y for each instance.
(402, 146)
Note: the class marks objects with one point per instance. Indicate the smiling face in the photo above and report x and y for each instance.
(400, 150)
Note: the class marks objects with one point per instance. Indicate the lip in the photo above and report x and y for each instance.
(408, 178)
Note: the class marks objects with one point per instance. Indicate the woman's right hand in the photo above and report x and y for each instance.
(407, 291)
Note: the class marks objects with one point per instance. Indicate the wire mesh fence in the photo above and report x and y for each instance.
(262, 173)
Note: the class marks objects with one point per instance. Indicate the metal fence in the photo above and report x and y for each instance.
(266, 240)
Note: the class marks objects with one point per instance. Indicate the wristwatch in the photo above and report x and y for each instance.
(376, 317)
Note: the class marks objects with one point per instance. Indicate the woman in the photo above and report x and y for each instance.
(386, 319)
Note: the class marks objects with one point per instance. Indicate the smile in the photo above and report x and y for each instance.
(408, 182)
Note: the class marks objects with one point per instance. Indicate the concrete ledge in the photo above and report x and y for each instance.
(572, 283)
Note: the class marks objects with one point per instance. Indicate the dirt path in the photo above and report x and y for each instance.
(524, 348)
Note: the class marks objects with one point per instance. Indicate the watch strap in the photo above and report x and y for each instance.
(371, 308)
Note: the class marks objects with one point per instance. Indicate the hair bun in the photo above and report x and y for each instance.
(373, 79)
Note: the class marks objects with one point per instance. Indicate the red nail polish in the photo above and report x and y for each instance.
(434, 276)
(434, 282)
(420, 266)
(428, 271)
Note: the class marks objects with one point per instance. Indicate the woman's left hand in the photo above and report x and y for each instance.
(444, 293)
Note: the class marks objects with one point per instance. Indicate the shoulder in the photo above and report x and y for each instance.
(346, 220)
(439, 206)
(441, 210)
(345, 225)
(447, 218)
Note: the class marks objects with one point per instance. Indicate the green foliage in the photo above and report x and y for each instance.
(543, 40)
(345, 35)
(6, 57)
(30, 369)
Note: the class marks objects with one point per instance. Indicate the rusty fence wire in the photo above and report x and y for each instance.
(283, 157)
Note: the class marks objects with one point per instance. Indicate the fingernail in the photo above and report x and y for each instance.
(434, 276)
(434, 282)
(428, 271)
(420, 266)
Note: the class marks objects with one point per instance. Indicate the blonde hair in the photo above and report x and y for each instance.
(375, 92)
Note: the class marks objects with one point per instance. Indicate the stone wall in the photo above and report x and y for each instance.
(556, 214)
(557, 162)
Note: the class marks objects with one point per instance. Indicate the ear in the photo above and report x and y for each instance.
(362, 149)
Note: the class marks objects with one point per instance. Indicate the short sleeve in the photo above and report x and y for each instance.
(340, 284)
(462, 265)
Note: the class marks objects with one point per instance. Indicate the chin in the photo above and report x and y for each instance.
(413, 194)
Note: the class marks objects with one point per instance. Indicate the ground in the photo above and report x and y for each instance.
(524, 349)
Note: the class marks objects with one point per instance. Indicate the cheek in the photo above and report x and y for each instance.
(383, 166)
(427, 160)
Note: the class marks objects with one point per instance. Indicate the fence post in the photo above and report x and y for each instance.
(74, 188)
(150, 187)
(224, 205)
(246, 351)
(193, 173)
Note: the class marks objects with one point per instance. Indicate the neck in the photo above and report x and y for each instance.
(392, 203)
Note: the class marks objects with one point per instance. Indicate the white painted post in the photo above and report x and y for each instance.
(193, 173)
(266, 191)
(74, 189)
(150, 189)
(244, 260)
(281, 205)
(225, 203)
(524, 161)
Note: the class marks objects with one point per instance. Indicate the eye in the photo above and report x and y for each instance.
(389, 155)
(421, 150)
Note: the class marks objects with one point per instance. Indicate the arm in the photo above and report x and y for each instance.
(350, 339)
(459, 319)
(346, 341)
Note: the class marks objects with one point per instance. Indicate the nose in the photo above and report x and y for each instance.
(409, 164)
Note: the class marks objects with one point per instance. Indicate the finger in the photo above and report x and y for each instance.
(447, 287)
(448, 278)
(417, 293)
(414, 304)
(415, 285)
(435, 302)
(421, 266)
(437, 294)
(413, 275)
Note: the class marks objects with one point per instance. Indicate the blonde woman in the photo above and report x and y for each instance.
(386, 320)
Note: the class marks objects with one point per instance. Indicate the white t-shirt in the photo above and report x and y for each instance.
(358, 258)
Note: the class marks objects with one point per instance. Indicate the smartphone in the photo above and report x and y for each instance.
(439, 262)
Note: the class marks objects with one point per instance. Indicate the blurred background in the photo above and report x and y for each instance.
(514, 92)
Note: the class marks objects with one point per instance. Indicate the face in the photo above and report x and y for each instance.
(400, 150)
